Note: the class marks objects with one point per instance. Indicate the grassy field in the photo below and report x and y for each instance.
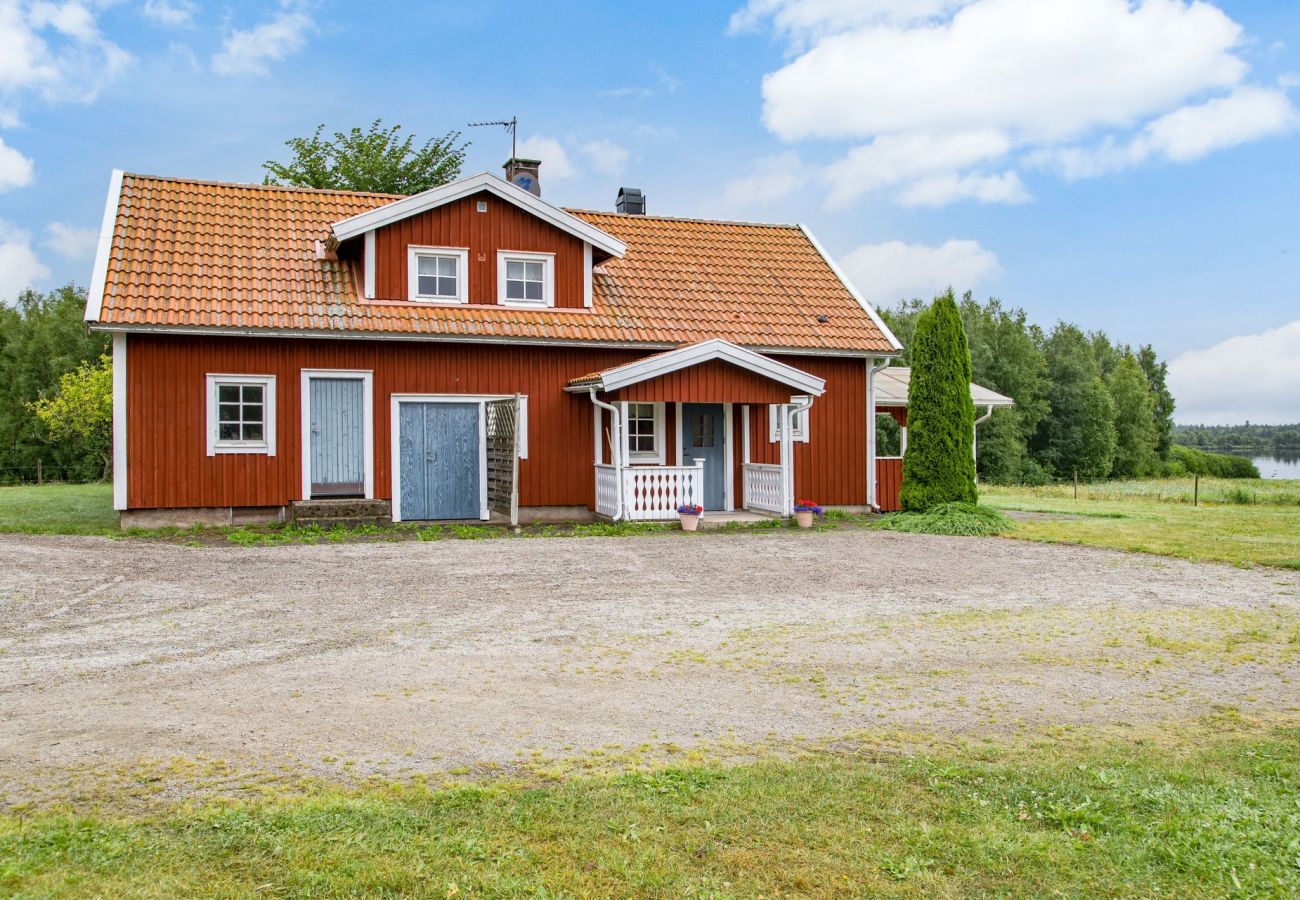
(58, 509)
(1214, 817)
(1157, 517)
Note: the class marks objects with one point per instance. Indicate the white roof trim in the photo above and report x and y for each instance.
(447, 193)
(706, 351)
(99, 274)
(839, 273)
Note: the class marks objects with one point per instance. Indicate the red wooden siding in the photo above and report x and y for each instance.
(459, 224)
(889, 483)
(897, 413)
(167, 459)
(711, 382)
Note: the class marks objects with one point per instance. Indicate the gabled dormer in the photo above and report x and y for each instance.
(480, 241)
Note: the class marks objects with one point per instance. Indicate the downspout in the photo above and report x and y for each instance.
(615, 447)
(871, 433)
(974, 438)
(787, 447)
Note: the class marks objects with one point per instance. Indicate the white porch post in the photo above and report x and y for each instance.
(787, 470)
(872, 368)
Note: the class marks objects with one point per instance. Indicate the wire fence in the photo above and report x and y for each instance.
(50, 473)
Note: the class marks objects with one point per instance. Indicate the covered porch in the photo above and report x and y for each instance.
(710, 424)
(891, 387)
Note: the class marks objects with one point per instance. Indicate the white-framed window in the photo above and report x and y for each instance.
(798, 423)
(643, 424)
(241, 414)
(437, 274)
(525, 279)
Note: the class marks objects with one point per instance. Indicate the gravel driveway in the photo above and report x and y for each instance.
(425, 657)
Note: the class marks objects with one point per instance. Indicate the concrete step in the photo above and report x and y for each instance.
(353, 522)
(331, 512)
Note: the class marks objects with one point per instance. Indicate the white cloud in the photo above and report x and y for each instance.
(70, 240)
(892, 271)
(251, 51)
(16, 170)
(170, 13)
(19, 266)
(774, 178)
(1252, 377)
(56, 51)
(1077, 83)
(606, 157)
(556, 164)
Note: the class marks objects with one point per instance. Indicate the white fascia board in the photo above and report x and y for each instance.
(99, 274)
(706, 351)
(434, 197)
(848, 285)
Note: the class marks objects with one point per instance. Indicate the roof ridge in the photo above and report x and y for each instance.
(209, 182)
(640, 216)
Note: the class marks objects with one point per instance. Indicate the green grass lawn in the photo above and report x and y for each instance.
(1217, 817)
(58, 509)
(1157, 517)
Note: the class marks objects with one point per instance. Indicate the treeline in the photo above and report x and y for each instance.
(1281, 440)
(42, 338)
(1085, 405)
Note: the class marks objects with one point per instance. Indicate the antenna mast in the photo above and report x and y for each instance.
(511, 125)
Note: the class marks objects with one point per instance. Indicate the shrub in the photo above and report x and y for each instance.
(1218, 465)
(939, 464)
(960, 519)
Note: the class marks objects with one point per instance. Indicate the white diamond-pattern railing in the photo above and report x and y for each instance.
(607, 484)
(655, 492)
(763, 488)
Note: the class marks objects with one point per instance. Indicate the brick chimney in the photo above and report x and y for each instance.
(523, 173)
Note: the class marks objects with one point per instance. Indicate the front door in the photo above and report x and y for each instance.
(704, 437)
(337, 423)
(440, 455)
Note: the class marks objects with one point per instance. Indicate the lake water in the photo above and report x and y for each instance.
(1287, 466)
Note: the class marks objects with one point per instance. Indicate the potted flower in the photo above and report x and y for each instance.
(804, 510)
(690, 516)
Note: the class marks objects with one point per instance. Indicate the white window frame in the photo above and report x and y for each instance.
(655, 457)
(798, 422)
(460, 254)
(548, 278)
(216, 445)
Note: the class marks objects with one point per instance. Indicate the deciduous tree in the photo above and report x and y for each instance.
(378, 159)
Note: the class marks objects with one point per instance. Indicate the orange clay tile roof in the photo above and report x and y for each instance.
(196, 254)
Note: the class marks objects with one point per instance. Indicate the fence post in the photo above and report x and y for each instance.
(38, 470)
(1076, 484)
(1196, 489)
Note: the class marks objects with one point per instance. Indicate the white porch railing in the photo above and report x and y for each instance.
(655, 492)
(763, 488)
(607, 482)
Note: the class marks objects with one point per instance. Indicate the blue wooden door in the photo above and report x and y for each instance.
(337, 423)
(704, 437)
(440, 456)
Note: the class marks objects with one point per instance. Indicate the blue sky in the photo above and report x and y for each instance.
(1126, 166)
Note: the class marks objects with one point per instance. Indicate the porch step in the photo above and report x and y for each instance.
(740, 517)
(348, 512)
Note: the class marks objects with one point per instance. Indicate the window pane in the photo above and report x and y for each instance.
(229, 431)
(533, 290)
(426, 265)
(514, 290)
(533, 271)
(228, 393)
(447, 266)
(514, 270)
(446, 287)
(253, 412)
(426, 285)
(252, 393)
(228, 412)
(253, 432)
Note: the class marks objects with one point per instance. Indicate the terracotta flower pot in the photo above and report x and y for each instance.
(689, 522)
(803, 518)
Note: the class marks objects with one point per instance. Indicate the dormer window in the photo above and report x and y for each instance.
(437, 274)
(525, 279)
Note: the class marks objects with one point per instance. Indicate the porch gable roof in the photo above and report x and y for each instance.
(892, 385)
(661, 364)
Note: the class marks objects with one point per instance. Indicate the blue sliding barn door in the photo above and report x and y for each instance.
(704, 437)
(440, 457)
(337, 422)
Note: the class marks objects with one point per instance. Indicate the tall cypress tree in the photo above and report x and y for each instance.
(939, 465)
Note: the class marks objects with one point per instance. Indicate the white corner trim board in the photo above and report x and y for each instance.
(119, 421)
(103, 249)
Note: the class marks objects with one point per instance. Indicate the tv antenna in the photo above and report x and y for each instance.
(511, 125)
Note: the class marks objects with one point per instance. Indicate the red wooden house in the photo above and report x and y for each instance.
(473, 350)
